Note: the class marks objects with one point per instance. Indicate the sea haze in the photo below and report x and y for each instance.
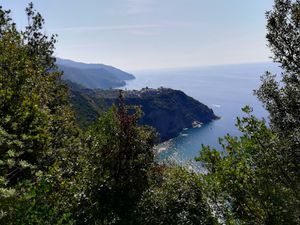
(225, 89)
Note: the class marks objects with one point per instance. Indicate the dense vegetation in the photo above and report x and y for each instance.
(167, 110)
(256, 180)
(51, 172)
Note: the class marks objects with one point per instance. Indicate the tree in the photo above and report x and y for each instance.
(281, 99)
(244, 181)
(117, 163)
(256, 179)
(38, 138)
(175, 197)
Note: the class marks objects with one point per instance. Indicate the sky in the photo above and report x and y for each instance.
(149, 34)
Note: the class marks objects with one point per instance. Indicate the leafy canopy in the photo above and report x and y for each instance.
(256, 179)
(37, 132)
(117, 162)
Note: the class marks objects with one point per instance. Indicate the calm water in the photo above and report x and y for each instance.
(225, 89)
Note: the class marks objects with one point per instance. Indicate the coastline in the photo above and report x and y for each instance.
(161, 147)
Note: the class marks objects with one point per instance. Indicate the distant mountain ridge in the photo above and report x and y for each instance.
(93, 75)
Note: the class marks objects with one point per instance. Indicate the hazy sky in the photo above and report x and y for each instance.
(140, 34)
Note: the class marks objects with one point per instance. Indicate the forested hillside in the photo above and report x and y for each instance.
(168, 111)
(53, 172)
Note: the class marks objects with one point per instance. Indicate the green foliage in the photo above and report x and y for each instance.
(283, 34)
(116, 167)
(47, 176)
(248, 182)
(256, 179)
(281, 99)
(175, 197)
(37, 132)
(167, 110)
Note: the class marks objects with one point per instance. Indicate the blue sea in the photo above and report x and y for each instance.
(225, 89)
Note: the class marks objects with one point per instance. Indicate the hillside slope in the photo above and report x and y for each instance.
(167, 110)
(93, 75)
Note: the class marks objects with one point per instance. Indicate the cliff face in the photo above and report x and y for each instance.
(167, 110)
